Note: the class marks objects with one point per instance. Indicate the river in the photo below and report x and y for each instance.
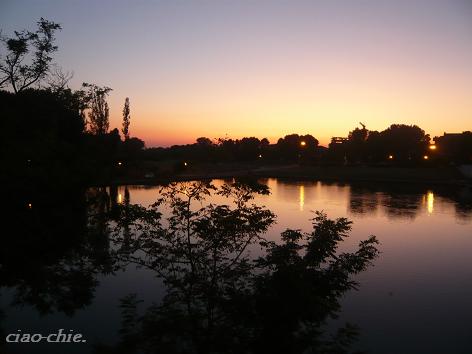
(414, 299)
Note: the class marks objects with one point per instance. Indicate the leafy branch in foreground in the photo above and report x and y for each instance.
(192, 245)
(20, 70)
(220, 299)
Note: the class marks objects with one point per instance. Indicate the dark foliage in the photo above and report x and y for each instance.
(45, 141)
(28, 56)
(219, 299)
(126, 119)
(54, 247)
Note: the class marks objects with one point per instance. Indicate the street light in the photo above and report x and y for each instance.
(432, 147)
(302, 143)
(390, 157)
(425, 157)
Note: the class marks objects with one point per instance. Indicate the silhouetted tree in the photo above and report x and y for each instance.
(356, 144)
(131, 152)
(96, 98)
(375, 147)
(58, 79)
(126, 118)
(204, 141)
(42, 137)
(248, 148)
(52, 254)
(21, 70)
(299, 283)
(405, 143)
(218, 299)
(294, 146)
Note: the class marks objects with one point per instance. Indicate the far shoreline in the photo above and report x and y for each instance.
(449, 176)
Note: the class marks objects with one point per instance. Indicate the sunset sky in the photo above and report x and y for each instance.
(266, 68)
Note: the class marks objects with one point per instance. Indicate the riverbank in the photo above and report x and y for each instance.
(430, 175)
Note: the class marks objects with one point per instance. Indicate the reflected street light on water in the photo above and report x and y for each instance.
(430, 202)
(302, 197)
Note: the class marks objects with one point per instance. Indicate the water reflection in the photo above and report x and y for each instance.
(430, 202)
(403, 206)
(218, 299)
(463, 202)
(396, 201)
(52, 253)
(302, 197)
(57, 247)
(364, 201)
(406, 202)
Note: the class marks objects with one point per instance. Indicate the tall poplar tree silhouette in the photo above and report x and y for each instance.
(126, 118)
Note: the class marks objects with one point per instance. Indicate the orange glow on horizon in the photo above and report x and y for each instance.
(261, 87)
(161, 126)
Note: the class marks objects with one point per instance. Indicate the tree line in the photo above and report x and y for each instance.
(51, 131)
(399, 144)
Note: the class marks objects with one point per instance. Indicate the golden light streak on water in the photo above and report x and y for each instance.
(302, 197)
(430, 202)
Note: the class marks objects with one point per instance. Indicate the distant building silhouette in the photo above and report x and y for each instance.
(336, 140)
(455, 147)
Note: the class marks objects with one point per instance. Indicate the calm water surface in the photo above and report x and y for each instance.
(416, 298)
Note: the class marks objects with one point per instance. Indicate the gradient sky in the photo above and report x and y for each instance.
(266, 68)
